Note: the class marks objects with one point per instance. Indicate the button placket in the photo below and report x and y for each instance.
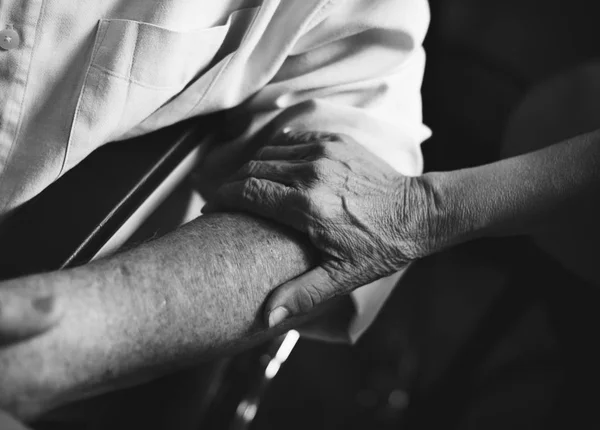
(19, 22)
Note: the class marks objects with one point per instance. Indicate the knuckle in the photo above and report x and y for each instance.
(330, 142)
(311, 204)
(250, 189)
(303, 136)
(317, 235)
(342, 285)
(318, 209)
(321, 167)
(320, 149)
(312, 176)
(252, 166)
(312, 170)
(309, 297)
(316, 294)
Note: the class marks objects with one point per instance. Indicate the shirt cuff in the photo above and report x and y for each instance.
(368, 301)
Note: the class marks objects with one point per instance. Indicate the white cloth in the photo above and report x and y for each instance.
(87, 72)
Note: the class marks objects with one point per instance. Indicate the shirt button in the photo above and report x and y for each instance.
(9, 39)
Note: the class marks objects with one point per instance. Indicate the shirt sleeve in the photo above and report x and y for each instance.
(356, 70)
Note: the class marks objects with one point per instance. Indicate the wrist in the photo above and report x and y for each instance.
(415, 209)
(448, 218)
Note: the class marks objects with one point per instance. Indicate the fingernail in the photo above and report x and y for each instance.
(277, 316)
(43, 305)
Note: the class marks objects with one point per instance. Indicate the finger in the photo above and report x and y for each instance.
(22, 317)
(306, 151)
(289, 136)
(282, 172)
(261, 197)
(9, 423)
(300, 296)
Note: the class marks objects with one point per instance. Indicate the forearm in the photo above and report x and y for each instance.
(528, 194)
(171, 302)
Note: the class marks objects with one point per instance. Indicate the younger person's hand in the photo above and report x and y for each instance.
(23, 316)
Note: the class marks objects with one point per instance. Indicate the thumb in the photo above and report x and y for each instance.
(300, 295)
(22, 317)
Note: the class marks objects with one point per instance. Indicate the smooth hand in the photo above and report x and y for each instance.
(368, 220)
(22, 316)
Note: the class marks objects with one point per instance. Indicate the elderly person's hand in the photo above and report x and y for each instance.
(368, 220)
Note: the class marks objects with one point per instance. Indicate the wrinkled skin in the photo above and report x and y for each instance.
(368, 220)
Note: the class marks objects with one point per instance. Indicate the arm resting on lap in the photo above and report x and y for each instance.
(188, 296)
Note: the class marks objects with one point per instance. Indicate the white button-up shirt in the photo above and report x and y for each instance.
(82, 73)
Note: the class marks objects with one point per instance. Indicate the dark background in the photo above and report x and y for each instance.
(458, 310)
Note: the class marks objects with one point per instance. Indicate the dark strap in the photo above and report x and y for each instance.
(70, 221)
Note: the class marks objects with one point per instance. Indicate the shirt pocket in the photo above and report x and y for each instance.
(136, 68)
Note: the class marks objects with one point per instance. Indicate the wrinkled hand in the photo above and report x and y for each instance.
(368, 220)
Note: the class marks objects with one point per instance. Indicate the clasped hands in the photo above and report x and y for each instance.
(368, 220)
